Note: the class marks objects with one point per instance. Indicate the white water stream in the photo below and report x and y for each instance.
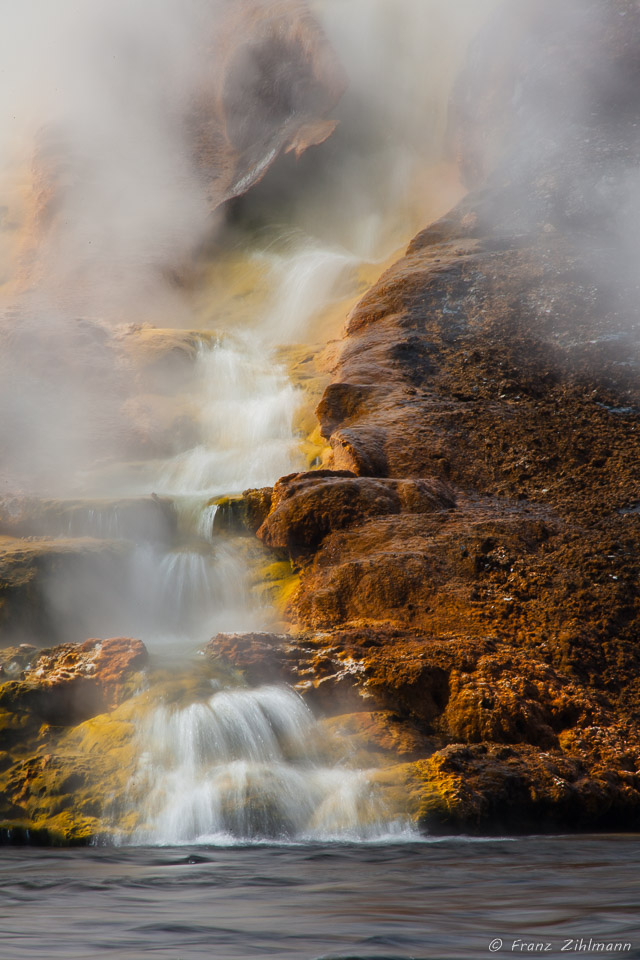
(246, 764)
(174, 590)
(247, 407)
(246, 421)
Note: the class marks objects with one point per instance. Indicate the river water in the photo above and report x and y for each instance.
(449, 898)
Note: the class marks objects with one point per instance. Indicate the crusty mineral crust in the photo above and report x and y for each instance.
(499, 357)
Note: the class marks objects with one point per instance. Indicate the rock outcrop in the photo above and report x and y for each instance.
(66, 750)
(272, 83)
(472, 559)
(70, 683)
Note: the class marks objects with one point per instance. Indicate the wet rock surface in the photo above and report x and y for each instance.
(70, 683)
(492, 373)
(63, 739)
(306, 508)
(33, 574)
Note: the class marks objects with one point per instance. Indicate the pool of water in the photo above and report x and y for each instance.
(449, 898)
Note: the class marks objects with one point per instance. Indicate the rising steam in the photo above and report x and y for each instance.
(118, 152)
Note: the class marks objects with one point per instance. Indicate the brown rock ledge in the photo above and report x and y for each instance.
(494, 373)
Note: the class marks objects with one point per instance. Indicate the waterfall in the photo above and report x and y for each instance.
(184, 596)
(247, 405)
(190, 586)
(244, 764)
(206, 520)
(305, 280)
(247, 765)
(105, 524)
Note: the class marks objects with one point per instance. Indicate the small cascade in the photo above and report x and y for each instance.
(195, 515)
(248, 765)
(136, 519)
(189, 585)
(206, 520)
(305, 281)
(186, 595)
(101, 523)
(184, 584)
(173, 600)
(247, 406)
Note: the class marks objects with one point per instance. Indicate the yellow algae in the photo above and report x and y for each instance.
(62, 795)
(234, 288)
(242, 512)
(400, 789)
(439, 791)
(275, 584)
(230, 515)
(149, 344)
(16, 727)
(420, 790)
(316, 450)
(178, 685)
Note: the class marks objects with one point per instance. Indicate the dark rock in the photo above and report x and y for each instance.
(506, 340)
(70, 683)
(309, 506)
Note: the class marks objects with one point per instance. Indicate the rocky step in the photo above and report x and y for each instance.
(465, 739)
(149, 519)
(51, 588)
(163, 347)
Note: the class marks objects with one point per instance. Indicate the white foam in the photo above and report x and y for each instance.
(245, 765)
(247, 408)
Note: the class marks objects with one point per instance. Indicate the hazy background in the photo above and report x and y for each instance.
(102, 201)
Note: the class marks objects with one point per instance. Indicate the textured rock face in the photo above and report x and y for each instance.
(307, 507)
(66, 751)
(498, 361)
(72, 682)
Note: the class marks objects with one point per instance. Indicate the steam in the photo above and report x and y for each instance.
(386, 170)
(119, 140)
(102, 119)
(117, 153)
(101, 197)
(106, 203)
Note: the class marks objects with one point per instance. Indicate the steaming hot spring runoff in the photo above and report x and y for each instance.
(319, 478)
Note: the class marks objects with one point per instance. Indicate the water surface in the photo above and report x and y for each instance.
(446, 899)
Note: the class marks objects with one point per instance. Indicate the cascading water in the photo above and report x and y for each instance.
(187, 594)
(304, 279)
(247, 764)
(247, 407)
(242, 764)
